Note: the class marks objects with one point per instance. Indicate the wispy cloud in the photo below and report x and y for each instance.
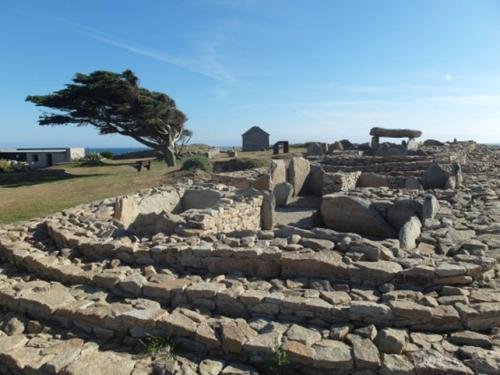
(206, 63)
(473, 100)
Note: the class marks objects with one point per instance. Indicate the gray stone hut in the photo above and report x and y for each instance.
(255, 139)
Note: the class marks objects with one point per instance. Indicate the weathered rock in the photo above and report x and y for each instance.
(267, 212)
(432, 362)
(153, 223)
(315, 148)
(126, 210)
(441, 176)
(366, 355)
(391, 340)
(402, 210)
(298, 170)
(352, 214)
(200, 198)
(283, 193)
(331, 354)
(396, 364)
(278, 172)
(430, 207)
(470, 338)
(409, 233)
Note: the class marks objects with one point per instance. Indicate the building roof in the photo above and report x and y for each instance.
(255, 129)
(31, 150)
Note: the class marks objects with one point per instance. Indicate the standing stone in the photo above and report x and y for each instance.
(126, 210)
(283, 193)
(402, 210)
(353, 214)
(314, 148)
(375, 143)
(430, 207)
(297, 173)
(336, 146)
(278, 171)
(267, 212)
(315, 180)
(441, 176)
(409, 233)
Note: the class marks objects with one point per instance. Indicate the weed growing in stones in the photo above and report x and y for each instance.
(159, 345)
(280, 361)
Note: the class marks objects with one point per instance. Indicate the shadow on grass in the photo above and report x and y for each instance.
(12, 180)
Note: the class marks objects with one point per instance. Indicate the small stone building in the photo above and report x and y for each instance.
(43, 157)
(255, 139)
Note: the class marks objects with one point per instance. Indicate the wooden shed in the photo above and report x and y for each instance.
(255, 139)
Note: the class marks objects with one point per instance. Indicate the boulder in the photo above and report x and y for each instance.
(409, 233)
(314, 148)
(353, 214)
(152, 223)
(430, 207)
(200, 198)
(336, 146)
(413, 183)
(391, 340)
(441, 176)
(346, 144)
(277, 171)
(126, 210)
(297, 173)
(283, 193)
(166, 200)
(402, 210)
(267, 212)
(314, 183)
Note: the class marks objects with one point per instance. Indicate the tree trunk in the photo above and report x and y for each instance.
(169, 155)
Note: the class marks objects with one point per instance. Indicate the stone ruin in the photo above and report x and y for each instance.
(343, 263)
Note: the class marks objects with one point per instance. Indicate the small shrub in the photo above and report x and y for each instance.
(92, 159)
(159, 345)
(107, 154)
(280, 360)
(8, 166)
(239, 164)
(197, 163)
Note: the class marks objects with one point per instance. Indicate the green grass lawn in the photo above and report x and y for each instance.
(39, 193)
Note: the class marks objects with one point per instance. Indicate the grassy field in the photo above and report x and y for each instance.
(38, 193)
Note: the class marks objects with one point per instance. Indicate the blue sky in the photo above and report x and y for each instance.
(304, 71)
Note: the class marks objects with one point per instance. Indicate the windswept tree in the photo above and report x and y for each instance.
(182, 141)
(116, 104)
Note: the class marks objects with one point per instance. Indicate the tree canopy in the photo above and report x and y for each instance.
(115, 104)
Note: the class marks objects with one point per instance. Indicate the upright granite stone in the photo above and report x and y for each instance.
(297, 173)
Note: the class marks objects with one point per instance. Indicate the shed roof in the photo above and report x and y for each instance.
(31, 150)
(255, 129)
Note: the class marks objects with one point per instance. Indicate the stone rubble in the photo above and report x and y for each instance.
(395, 281)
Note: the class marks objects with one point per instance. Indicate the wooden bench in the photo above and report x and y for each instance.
(142, 164)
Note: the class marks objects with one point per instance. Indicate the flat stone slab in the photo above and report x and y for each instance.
(395, 133)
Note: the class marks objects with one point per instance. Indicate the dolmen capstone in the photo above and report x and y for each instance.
(411, 144)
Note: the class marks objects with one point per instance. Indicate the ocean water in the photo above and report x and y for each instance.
(115, 150)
